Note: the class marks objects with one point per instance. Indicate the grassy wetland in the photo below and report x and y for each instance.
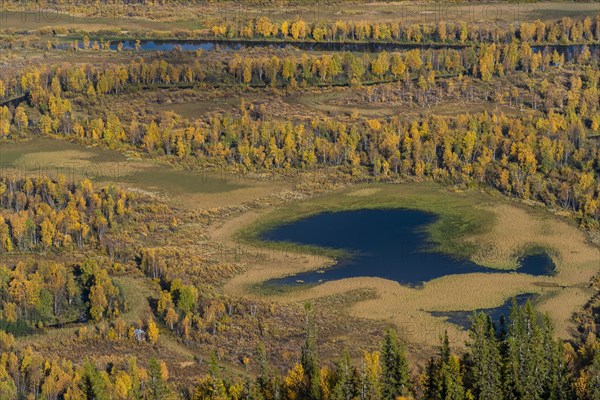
(473, 224)
(299, 200)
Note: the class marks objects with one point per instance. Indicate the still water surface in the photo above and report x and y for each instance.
(384, 243)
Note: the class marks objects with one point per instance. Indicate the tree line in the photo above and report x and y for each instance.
(483, 61)
(51, 89)
(563, 31)
(513, 359)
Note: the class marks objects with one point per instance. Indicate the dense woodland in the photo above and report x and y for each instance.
(516, 359)
(44, 215)
(52, 293)
(547, 152)
(544, 157)
(41, 213)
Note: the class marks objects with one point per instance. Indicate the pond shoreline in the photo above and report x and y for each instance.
(393, 243)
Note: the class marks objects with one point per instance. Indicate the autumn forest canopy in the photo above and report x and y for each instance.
(145, 146)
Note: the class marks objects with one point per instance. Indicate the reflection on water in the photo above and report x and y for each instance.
(569, 51)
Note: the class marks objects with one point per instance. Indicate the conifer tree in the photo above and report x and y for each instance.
(485, 360)
(395, 372)
(309, 359)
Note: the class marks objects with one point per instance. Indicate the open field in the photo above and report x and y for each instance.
(198, 189)
(342, 103)
(198, 17)
(431, 12)
(24, 17)
(493, 233)
(195, 109)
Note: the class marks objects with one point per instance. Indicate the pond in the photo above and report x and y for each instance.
(365, 47)
(384, 243)
(463, 318)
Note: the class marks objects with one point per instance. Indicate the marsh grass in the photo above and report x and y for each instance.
(267, 289)
(52, 157)
(487, 228)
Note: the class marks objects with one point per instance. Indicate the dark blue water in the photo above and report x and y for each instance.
(569, 51)
(384, 243)
(463, 318)
(209, 45)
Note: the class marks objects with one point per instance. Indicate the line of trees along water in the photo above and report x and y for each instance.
(568, 51)
(564, 31)
(484, 62)
(370, 34)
